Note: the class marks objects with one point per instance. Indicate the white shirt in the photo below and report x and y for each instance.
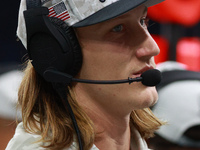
(26, 141)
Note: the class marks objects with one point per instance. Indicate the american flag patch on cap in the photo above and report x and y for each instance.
(59, 11)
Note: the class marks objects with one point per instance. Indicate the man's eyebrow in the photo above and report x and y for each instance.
(121, 17)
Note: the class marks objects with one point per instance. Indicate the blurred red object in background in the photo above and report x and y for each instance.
(188, 52)
(184, 12)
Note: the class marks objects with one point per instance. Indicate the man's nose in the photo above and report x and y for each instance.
(148, 49)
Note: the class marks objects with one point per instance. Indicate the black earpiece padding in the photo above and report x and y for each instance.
(73, 44)
(51, 43)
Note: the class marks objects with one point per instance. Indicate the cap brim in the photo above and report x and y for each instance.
(118, 8)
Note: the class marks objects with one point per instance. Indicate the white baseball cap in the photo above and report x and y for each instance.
(79, 13)
(179, 105)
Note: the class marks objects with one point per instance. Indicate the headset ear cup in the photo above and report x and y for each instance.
(52, 44)
(72, 42)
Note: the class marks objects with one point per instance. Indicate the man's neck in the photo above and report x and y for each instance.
(112, 132)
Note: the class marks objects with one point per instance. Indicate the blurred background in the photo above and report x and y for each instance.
(11, 53)
(175, 26)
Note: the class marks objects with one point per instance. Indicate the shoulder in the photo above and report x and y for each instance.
(23, 140)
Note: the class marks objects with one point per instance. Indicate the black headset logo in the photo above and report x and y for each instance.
(51, 43)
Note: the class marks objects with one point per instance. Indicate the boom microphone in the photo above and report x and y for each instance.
(150, 77)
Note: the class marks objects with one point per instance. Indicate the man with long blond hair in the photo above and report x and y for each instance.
(74, 41)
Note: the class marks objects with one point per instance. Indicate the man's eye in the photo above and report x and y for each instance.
(144, 22)
(118, 28)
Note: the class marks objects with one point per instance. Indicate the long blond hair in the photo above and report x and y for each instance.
(44, 113)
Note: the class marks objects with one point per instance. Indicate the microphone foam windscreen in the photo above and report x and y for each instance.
(151, 77)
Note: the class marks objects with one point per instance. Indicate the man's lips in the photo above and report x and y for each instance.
(138, 73)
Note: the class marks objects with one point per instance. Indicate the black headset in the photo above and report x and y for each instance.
(51, 43)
